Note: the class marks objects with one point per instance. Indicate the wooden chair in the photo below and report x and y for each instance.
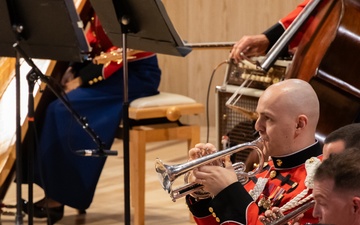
(154, 119)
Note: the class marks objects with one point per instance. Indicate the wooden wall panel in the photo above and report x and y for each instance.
(213, 21)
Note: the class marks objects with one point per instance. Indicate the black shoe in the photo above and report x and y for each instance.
(53, 214)
(81, 211)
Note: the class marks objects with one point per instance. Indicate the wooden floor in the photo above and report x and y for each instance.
(108, 204)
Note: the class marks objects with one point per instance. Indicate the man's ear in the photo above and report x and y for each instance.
(356, 205)
(302, 121)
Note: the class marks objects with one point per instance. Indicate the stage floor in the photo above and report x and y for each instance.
(108, 204)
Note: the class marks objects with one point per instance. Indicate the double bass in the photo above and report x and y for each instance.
(328, 58)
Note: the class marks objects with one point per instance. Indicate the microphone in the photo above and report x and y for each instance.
(96, 152)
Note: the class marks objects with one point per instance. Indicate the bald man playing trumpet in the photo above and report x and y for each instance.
(288, 114)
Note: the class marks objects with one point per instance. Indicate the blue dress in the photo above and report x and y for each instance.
(65, 176)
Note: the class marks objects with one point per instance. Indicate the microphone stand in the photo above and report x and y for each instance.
(32, 77)
(37, 74)
(126, 135)
(127, 25)
(18, 214)
(144, 27)
(14, 15)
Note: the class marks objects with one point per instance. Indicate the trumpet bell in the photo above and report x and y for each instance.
(163, 175)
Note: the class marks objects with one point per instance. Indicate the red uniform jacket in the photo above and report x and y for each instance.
(287, 20)
(234, 205)
(100, 42)
(274, 32)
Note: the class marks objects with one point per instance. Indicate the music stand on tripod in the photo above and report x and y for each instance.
(43, 30)
(141, 25)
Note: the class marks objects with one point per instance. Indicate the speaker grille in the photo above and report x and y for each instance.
(236, 127)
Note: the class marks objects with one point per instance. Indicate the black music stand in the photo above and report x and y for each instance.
(44, 30)
(142, 25)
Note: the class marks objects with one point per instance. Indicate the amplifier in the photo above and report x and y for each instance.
(232, 127)
(236, 74)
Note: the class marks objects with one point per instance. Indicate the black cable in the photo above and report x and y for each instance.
(207, 100)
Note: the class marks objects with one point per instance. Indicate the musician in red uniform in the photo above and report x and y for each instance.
(288, 116)
(96, 93)
(336, 189)
(342, 139)
(257, 45)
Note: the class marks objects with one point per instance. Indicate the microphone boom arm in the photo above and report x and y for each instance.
(37, 74)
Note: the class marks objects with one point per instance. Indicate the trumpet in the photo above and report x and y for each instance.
(168, 174)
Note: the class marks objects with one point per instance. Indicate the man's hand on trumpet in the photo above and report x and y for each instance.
(214, 176)
(201, 150)
(274, 214)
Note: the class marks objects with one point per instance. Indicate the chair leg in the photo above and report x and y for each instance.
(138, 141)
(195, 137)
(137, 174)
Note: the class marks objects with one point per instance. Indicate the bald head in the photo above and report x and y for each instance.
(288, 116)
(296, 97)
